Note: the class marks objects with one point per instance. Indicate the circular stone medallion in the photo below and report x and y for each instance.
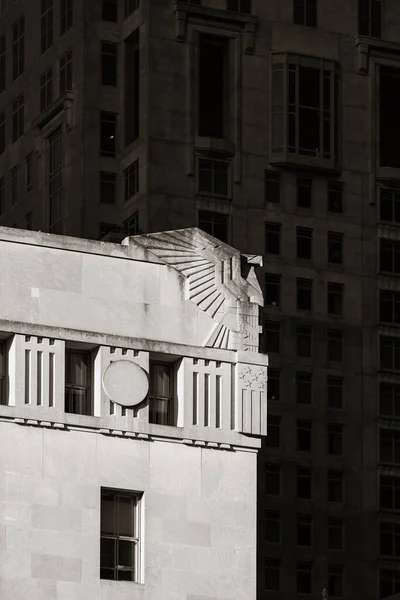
(125, 383)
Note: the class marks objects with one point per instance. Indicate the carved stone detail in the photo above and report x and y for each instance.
(252, 377)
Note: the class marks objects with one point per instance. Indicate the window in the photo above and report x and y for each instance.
(67, 15)
(335, 299)
(14, 185)
(108, 187)
(304, 192)
(2, 131)
(335, 439)
(28, 221)
(335, 392)
(272, 293)
(242, 6)
(46, 25)
(272, 579)
(389, 205)
(304, 429)
(305, 12)
(213, 177)
(108, 132)
(272, 527)
(108, 228)
(213, 87)
(215, 224)
(335, 581)
(272, 187)
(77, 383)
(304, 577)
(335, 197)
(389, 583)
(389, 353)
(108, 63)
(55, 182)
(109, 10)
(272, 479)
(304, 345)
(335, 346)
(389, 492)
(28, 173)
(304, 388)
(389, 118)
(304, 294)
(18, 48)
(369, 18)
(131, 225)
(3, 374)
(304, 242)
(130, 6)
(2, 196)
(161, 394)
(66, 72)
(389, 445)
(389, 399)
(131, 180)
(335, 533)
(304, 483)
(46, 89)
(273, 437)
(272, 238)
(120, 535)
(18, 117)
(132, 88)
(2, 63)
(389, 539)
(272, 330)
(335, 486)
(389, 256)
(389, 307)
(273, 384)
(335, 247)
(304, 530)
(305, 111)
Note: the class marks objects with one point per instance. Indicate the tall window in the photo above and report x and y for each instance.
(55, 164)
(389, 446)
(389, 358)
(304, 242)
(389, 583)
(304, 294)
(335, 486)
(2, 63)
(389, 492)
(335, 533)
(389, 117)
(304, 341)
(305, 12)
(335, 247)
(2, 196)
(215, 224)
(335, 392)
(335, 439)
(46, 25)
(370, 18)
(28, 173)
(18, 47)
(132, 87)
(272, 479)
(2, 131)
(46, 89)
(335, 197)
(304, 530)
(120, 544)
(389, 205)
(389, 255)
(273, 437)
(272, 574)
(335, 581)
(272, 334)
(241, 6)
(109, 10)
(304, 483)
(66, 72)
(131, 180)
(335, 299)
(305, 111)
(130, 6)
(335, 345)
(304, 435)
(272, 186)
(389, 539)
(272, 238)
(18, 117)
(213, 177)
(272, 527)
(389, 399)
(304, 577)
(131, 225)
(3, 374)
(272, 292)
(304, 388)
(213, 87)
(273, 387)
(108, 133)
(161, 394)
(304, 192)
(14, 185)
(28, 221)
(108, 187)
(66, 15)
(77, 383)
(109, 63)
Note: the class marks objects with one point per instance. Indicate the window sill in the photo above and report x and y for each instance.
(301, 161)
(63, 104)
(211, 196)
(214, 147)
(123, 585)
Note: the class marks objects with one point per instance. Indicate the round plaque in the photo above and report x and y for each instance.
(125, 383)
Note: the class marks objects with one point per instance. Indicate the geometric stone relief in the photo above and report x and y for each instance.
(253, 377)
(125, 383)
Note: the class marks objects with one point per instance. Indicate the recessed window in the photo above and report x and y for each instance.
(272, 479)
(389, 582)
(213, 177)
(389, 118)
(241, 6)
(272, 574)
(18, 48)
(130, 6)
(18, 117)
(108, 228)
(389, 446)
(161, 394)
(389, 353)
(272, 290)
(389, 538)
(335, 439)
(272, 527)
(3, 374)
(304, 577)
(335, 534)
(216, 224)
(389, 205)
(389, 492)
(389, 307)
(304, 294)
(2, 63)
(46, 89)
(305, 12)
(370, 18)
(108, 188)
(304, 342)
(273, 384)
(304, 530)
(335, 299)
(2, 131)
(2, 196)
(304, 435)
(335, 392)
(272, 187)
(335, 247)
(28, 173)
(108, 133)
(132, 92)
(304, 192)
(46, 25)
(304, 483)
(109, 63)
(272, 330)
(214, 95)
(304, 242)
(335, 581)
(389, 399)
(131, 225)
(131, 180)
(120, 544)
(335, 197)
(335, 486)
(109, 10)
(389, 256)
(273, 437)
(66, 72)
(303, 388)
(77, 383)
(14, 185)
(335, 345)
(28, 221)
(272, 238)
(66, 15)
(55, 182)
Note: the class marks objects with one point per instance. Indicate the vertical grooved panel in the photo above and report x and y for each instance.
(195, 392)
(51, 379)
(206, 400)
(218, 401)
(27, 376)
(39, 377)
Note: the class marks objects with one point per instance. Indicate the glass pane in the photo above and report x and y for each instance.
(77, 371)
(161, 380)
(126, 517)
(107, 574)
(309, 130)
(126, 554)
(107, 553)
(107, 515)
(309, 87)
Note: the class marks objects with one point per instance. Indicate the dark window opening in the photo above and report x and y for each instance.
(389, 205)
(67, 15)
(55, 182)
(272, 574)
(108, 131)
(130, 6)
(46, 25)
(389, 583)
(304, 294)
(213, 86)
(304, 435)
(304, 577)
(304, 192)
(109, 10)
(304, 342)
(304, 530)
(273, 385)
(389, 492)
(389, 353)
(370, 18)
(389, 399)
(66, 72)
(109, 63)
(18, 48)
(272, 187)
(216, 224)
(335, 439)
(108, 188)
(77, 383)
(272, 330)
(18, 118)
(304, 388)
(213, 177)
(335, 486)
(131, 225)
(14, 185)
(304, 242)
(389, 540)
(389, 446)
(389, 307)
(46, 89)
(305, 12)
(132, 88)
(304, 483)
(335, 346)
(335, 247)
(272, 527)
(389, 117)
(389, 255)
(272, 238)
(272, 479)
(131, 180)
(161, 394)
(335, 299)
(335, 581)
(2, 63)
(3, 374)
(335, 533)
(272, 292)
(335, 392)
(335, 197)
(273, 436)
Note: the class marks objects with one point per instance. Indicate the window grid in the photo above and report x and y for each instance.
(131, 225)
(18, 48)
(389, 356)
(216, 224)
(65, 81)
(389, 583)
(389, 539)
(131, 180)
(46, 25)
(46, 89)
(389, 255)
(305, 12)
(241, 6)
(389, 446)
(66, 15)
(213, 177)
(389, 205)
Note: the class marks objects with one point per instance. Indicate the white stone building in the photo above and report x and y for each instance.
(132, 402)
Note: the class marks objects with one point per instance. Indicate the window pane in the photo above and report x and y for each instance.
(126, 517)
(108, 553)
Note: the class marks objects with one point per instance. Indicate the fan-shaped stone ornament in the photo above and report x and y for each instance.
(125, 383)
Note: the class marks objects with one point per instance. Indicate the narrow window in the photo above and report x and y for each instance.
(370, 18)
(213, 86)
(335, 345)
(28, 221)
(66, 15)
(335, 392)
(304, 294)
(304, 483)
(108, 187)
(335, 486)
(241, 6)
(389, 255)
(389, 446)
(335, 534)
(389, 117)
(272, 527)
(272, 336)
(335, 299)
(389, 355)
(66, 72)
(389, 492)
(273, 437)
(2, 196)
(272, 479)
(304, 341)
(272, 574)
(18, 48)
(3, 374)
(131, 225)
(213, 177)
(304, 242)
(272, 187)
(2, 131)
(389, 307)
(161, 394)
(28, 173)
(131, 180)
(77, 383)
(2, 63)
(389, 399)
(335, 197)
(304, 192)
(46, 89)
(108, 132)
(109, 10)
(46, 25)
(272, 290)
(335, 439)
(272, 238)
(18, 117)
(304, 530)
(55, 182)
(109, 63)
(216, 224)
(389, 205)
(304, 388)
(273, 385)
(335, 581)
(14, 185)
(304, 435)
(131, 88)
(304, 577)
(389, 539)
(335, 247)
(305, 12)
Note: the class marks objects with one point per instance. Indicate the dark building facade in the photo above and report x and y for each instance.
(273, 125)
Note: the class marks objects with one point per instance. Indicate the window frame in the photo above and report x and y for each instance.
(330, 384)
(274, 375)
(331, 574)
(304, 378)
(335, 435)
(46, 89)
(304, 294)
(4, 400)
(18, 48)
(275, 327)
(303, 474)
(272, 183)
(302, 568)
(223, 219)
(303, 425)
(66, 15)
(334, 336)
(103, 182)
(274, 424)
(272, 281)
(335, 243)
(275, 229)
(166, 400)
(108, 118)
(105, 6)
(131, 180)
(394, 504)
(307, 19)
(239, 6)
(46, 25)
(301, 335)
(273, 470)
(109, 63)
(335, 299)
(365, 23)
(307, 522)
(225, 171)
(18, 117)
(335, 197)
(66, 72)
(72, 387)
(304, 183)
(14, 176)
(272, 516)
(302, 234)
(332, 526)
(335, 476)
(394, 389)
